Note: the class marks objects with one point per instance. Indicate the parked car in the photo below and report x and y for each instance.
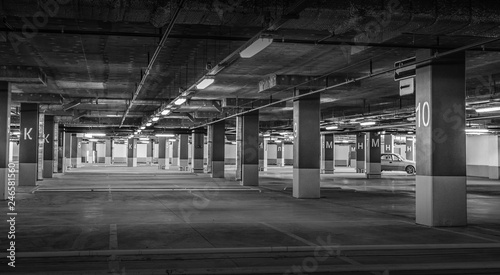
(395, 162)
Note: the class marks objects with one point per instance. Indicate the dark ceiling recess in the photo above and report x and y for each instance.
(119, 64)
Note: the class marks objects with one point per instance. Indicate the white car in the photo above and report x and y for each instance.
(395, 162)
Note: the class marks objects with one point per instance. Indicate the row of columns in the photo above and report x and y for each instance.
(440, 180)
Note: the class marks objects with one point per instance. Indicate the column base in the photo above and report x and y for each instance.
(132, 162)
(218, 169)
(373, 170)
(175, 162)
(4, 172)
(261, 165)
(27, 174)
(161, 164)
(183, 165)
(107, 160)
(197, 166)
(306, 183)
(494, 172)
(250, 175)
(360, 166)
(441, 201)
(324, 171)
(48, 169)
(373, 176)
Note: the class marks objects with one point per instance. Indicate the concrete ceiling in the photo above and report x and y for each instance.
(98, 64)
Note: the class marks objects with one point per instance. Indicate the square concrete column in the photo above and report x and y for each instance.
(306, 147)
(373, 166)
(494, 157)
(174, 152)
(162, 152)
(5, 99)
(183, 150)
(440, 148)
(197, 142)
(28, 145)
(41, 141)
(76, 150)
(239, 146)
(149, 152)
(360, 153)
(55, 148)
(108, 151)
(261, 154)
(250, 149)
(60, 152)
(279, 154)
(327, 153)
(132, 152)
(208, 149)
(410, 145)
(388, 144)
(48, 149)
(67, 151)
(217, 150)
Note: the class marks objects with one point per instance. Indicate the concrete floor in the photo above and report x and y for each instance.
(121, 220)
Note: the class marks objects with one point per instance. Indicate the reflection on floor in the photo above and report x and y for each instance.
(167, 221)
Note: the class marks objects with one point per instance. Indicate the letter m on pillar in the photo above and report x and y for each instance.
(329, 144)
(376, 142)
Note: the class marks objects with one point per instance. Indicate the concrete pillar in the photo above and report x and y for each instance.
(306, 147)
(60, 152)
(28, 145)
(174, 148)
(183, 152)
(279, 154)
(360, 152)
(149, 152)
(250, 149)
(48, 149)
(440, 123)
(41, 141)
(373, 166)
(410, 145)
(55, 148)
(162, 150)
(132, 152)
(217, 152)
(197, 142)
(76, 150)
(208, 149)
(261, 154)
(108, 151)
(388, 144)
(327, 155)
(67, 151)
(239, 146)
(5, 99)
(494, 157)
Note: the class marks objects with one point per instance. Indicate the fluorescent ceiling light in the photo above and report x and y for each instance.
(165, 135)
(488, 109)
(148, 124)
(155, 118)
(144, 138)
(140, 130)
(205, 83)
(476, 130)
(180, 101)
(257, 46)
(93, 139)
(368, 123)
(172, 140)
(345, 141)
(166, 112)
(89, 135)
(332, 127)
(143, 127)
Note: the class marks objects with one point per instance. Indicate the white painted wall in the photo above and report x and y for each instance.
(288, 151)
(478, 151)
(101, 150)
(120, 151)
(142, 150)
(272, 151)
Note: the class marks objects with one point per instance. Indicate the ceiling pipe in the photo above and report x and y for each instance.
(295, 97)
(153, 59)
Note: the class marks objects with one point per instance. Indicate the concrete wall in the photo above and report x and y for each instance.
(341, 154)
(13, 151)
(141, 152)
(101, 152)
(120, 153)
(230, 154)
(483, 156)
(272, 154)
